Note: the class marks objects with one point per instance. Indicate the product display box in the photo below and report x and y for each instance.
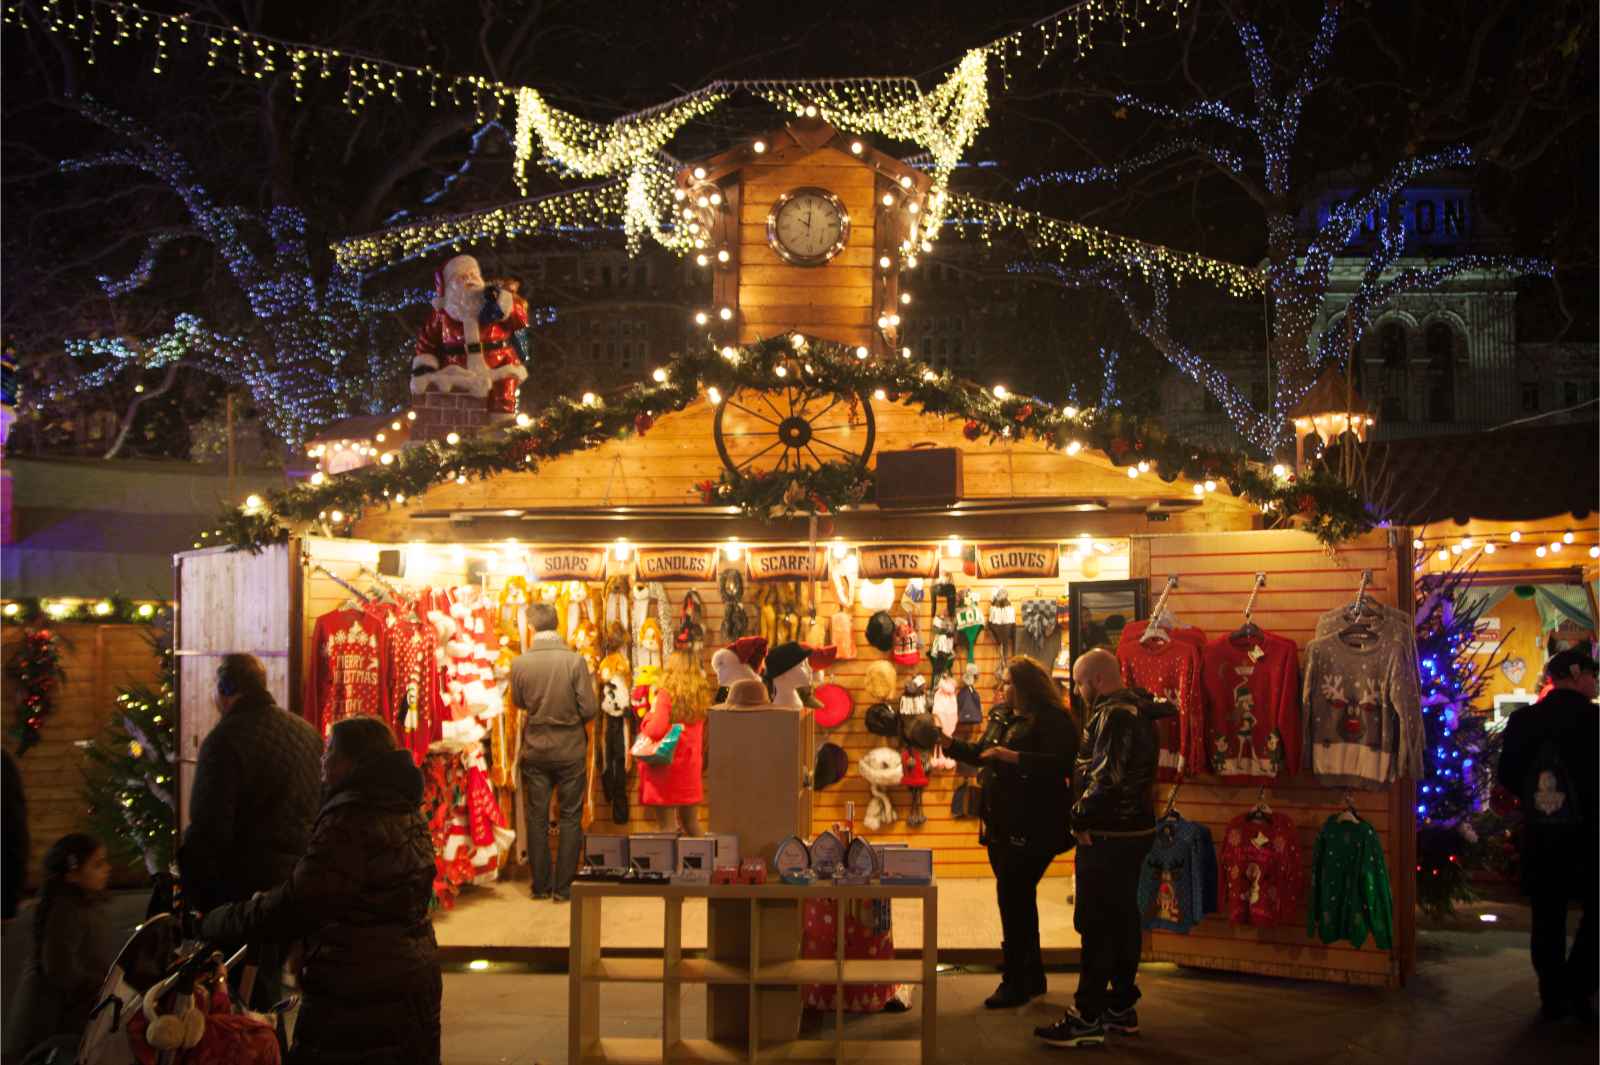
(727, 850)
(656, 854)
(907, 865)
(694, 861)
(606, 852)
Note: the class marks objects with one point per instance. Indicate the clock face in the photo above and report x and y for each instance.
(808, 226)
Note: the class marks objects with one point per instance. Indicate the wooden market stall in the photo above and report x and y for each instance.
(1094, 521)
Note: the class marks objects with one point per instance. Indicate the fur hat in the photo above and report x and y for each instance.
(921, 731)
(880, 630)
(831, 766)
(882, 720)
(880, 683)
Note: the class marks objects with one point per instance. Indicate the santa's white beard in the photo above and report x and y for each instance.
(464, 305)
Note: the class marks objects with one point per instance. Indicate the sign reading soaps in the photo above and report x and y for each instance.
(786, 564)
(1018, 560)
(676, 564)
(569, 564)
(899, 560)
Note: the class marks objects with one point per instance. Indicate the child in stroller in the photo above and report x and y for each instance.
(166, 1002)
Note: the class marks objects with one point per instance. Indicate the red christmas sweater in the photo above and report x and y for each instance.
(1262, 878)
(1252, 697)
(411, 679)
(1170, 670)
(347, 676)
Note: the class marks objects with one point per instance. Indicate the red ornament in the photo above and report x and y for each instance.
(972, 430)
(707, 489)
(642, 423)
(1305, 504)
(1138, 445)
(1024, 412)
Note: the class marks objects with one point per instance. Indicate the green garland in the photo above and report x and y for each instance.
(112, 610)
(1328, 507)
(36, 669)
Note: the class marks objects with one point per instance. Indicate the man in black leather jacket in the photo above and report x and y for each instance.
(1113, 820)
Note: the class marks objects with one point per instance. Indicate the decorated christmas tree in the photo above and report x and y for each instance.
(131, 782)
(1461, 752)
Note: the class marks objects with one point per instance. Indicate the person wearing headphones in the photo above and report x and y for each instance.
(256, 791)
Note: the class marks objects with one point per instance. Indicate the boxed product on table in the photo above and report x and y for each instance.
(907, 865)
(653, 853)
(727, 850)
(605, 852)
(695, 856)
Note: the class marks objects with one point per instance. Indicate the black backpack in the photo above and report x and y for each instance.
(1549, 798)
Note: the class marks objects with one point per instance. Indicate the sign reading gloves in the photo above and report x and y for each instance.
(1019, 560)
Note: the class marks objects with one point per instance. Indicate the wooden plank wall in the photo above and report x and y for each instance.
(834, 301)
(228, 601)
(1215, 573)
(98, 661)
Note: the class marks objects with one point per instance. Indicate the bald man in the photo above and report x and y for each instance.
(1114, 821)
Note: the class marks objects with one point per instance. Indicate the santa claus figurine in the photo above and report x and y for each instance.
(465, 345)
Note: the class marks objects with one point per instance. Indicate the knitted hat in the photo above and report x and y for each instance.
(880, 631)
(831, 766)
(836, 705)
(907, 646)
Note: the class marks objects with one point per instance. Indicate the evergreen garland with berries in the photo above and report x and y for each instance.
(132, 777)
(36, 669)
(1319, 499)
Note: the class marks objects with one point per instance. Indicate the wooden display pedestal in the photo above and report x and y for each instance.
(752, 981)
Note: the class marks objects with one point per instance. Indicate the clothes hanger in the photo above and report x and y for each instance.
(1161, 619)
(1250, 630)
(1170, 813)
(1261, 811)
(1348, 815)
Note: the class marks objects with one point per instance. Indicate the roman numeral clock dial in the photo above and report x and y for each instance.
(808, 226)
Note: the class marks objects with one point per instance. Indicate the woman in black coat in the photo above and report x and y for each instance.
(359, 898)
(1027, 752)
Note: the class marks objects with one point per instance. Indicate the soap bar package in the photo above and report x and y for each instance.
(727, 852)
(606, 852)
(907, 865)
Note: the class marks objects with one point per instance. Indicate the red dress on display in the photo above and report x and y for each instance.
(682, 783)
(346, 676)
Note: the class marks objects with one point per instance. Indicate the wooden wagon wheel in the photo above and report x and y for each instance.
(791, 428)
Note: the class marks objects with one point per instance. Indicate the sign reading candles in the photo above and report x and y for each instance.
(786, 564)
(1018, 560)
(568, 564)
(899, 560)
(676, 564)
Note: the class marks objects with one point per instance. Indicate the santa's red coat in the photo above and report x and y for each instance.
(442, 342)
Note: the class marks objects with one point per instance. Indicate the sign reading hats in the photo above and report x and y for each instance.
(664, 564)
(1019, 560)
(568, 563)
(787, 564)
(899, 560)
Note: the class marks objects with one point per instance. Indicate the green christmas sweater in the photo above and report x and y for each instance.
(1350, 886)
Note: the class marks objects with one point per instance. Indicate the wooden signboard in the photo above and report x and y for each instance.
(899, 560)
(676, 564)
(786, 564)
(568, 563)
(1019, 560)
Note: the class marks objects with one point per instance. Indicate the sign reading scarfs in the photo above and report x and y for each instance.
(568, 563)
(676, 564)
(1018, 560)
(899, 560)
(786, 564)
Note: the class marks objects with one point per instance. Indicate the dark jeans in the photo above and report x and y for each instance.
(568, 781)
(1563, 977)
(1016, 887)
(1107, 919)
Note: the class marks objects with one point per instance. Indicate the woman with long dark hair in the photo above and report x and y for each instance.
(1026, 753)
(68, 962)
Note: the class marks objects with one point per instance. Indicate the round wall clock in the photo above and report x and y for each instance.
(808, 226)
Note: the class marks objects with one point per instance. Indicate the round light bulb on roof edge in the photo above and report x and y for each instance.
(1444, 556)
(1416, 545)
(678, 194)
(1000, 392)
(1567, 537)
(145, 610)
(811, 111)
(1211, 486)
(318, 477)
(701, 260)
(589, 399)
(1144, 467)
(884, 262)
(1199, 489)
(1594, 552)
(855, 147)
(1540, 551)
(103, 607)
(252, 502)
(905, 181)
(759, 147)
(905, 297)
(905, 353)
(1489, 548)
(862, 352)
(452, 438)
(1073, 447)
(1516, 536)
(730, 353)
(387, 458)
(701, 318)
(699, 173)
(1133, 472)
(395, 426)
(883, 321)
(523, 421)
(659, 376)
(1555, 547)
(840, 550)
(714, 395)
(336, 516)
(723, 256)
(879, 394)
(781, 371)
(929, 375)
(888, 199)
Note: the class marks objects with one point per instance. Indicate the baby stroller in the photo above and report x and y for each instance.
(166, 1002)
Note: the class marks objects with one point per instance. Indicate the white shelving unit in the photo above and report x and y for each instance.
(753, 975)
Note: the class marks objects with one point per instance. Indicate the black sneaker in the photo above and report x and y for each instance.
(563, 896)
(1122, 1022)
(539, 896)
(1073, 1031)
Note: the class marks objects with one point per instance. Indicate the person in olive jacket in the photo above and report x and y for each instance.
(1114, 821)
(1027, 752)
(359, 898)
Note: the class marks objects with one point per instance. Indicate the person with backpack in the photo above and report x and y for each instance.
(1547, 760)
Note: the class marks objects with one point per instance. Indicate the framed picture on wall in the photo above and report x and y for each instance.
(1101, 609)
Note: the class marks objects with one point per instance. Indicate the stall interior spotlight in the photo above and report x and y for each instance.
(840, 550)
(621, 550)
(731, 549)
(952, 546)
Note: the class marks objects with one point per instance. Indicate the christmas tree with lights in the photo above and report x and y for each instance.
(1461, 752)
(132, 777)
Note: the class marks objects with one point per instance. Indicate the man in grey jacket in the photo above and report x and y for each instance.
(551, 684)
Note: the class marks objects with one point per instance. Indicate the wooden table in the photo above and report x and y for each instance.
(742, 973)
